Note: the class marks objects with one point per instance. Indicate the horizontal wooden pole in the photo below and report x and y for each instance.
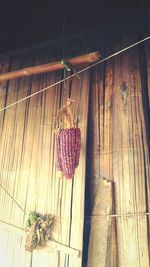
(80, 60)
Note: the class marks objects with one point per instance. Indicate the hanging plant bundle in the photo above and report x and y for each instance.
(38, 230)
(68, 142)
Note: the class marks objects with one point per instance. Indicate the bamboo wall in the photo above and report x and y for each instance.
(27, 166)
(117, 150)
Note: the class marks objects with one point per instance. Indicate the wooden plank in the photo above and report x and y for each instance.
(100, 226)
(106, 103)
(100, 135)
(147, 154)
(93, 148)
(54, 66)
(100, 123)
(129, 144)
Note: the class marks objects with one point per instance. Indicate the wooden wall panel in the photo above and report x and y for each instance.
(147, 162)
(129, 143)
(28, 165)
(119, 150)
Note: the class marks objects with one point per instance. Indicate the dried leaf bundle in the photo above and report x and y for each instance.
(38, 230)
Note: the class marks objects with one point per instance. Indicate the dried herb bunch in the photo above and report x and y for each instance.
(38, 230)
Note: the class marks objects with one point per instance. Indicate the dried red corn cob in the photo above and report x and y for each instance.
(58, 158)
(68, 151)
(78, 145)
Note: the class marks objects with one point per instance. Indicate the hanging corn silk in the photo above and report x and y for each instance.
(68, 142)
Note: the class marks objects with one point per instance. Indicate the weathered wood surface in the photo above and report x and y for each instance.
(147, 165)
(27, 166)
(101, 225)
(119, 149)
(100, 124)
(49, 67)
(129, 147)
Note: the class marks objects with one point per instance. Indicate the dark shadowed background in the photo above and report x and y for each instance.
(24, 23)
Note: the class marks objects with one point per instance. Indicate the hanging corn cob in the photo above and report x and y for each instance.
(68, 142)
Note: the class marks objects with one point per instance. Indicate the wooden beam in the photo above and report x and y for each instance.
(80, 60)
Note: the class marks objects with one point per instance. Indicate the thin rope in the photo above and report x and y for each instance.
(121, 215)
(13, 199)
(12, 225)
(74, 74)
(94, 215)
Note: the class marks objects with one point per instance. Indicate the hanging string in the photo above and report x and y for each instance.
(63, 50)
(65, 85)
(67, 68)
(74, 74)
(11, 225)
(13, 199)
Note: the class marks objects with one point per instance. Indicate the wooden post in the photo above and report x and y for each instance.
(100, 225)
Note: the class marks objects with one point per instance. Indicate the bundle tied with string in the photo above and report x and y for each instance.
(68, 142)
(38, 230)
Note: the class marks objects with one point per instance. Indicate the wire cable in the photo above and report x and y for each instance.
(74, 74)
(63, 80)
